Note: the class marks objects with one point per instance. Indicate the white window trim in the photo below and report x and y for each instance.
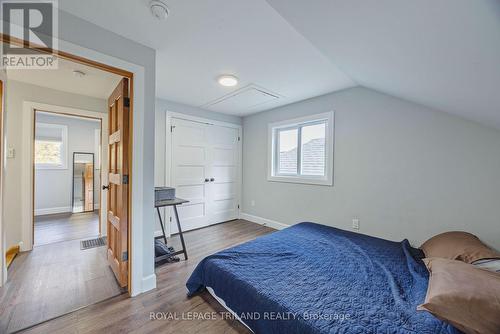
(64, 149)
(326, 180)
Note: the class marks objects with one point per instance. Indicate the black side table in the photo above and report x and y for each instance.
(174, 203)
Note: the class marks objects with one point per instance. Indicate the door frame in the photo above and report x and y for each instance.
(29, 122)
(3, 246)
(167, 212)
(137, 282)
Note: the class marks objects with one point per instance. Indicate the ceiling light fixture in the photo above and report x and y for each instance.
(79, 74)
(159, 9)
(227, 80)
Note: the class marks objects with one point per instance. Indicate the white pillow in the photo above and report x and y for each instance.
(488, 264)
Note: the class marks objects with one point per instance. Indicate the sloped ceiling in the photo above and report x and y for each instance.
(444, 54)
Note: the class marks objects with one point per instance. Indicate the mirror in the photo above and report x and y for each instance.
(83, 182)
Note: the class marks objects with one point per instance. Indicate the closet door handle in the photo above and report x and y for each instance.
(212, 179)
(206, 180)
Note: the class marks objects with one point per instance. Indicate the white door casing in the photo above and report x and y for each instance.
(3, 146)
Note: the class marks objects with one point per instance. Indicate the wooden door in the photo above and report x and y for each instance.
(118, 191)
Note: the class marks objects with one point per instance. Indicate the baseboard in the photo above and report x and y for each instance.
(148, 283)
(159, 233)
(51, 211)
(263, 221)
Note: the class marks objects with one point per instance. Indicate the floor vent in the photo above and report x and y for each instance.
(92, 243)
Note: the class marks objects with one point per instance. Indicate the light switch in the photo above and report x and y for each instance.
(11, 153)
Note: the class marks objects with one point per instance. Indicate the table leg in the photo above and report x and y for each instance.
(161, 224)
(180, 232)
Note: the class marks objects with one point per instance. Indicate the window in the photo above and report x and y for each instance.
(301, 150)
(51, 146)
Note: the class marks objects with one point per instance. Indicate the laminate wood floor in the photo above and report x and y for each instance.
(65, 226)
(53, 280)
(132, 315)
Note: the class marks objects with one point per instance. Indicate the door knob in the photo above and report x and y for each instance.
(206, 180)
(105, 187)
(212, 179)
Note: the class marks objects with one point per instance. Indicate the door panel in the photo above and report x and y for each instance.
(196, 192)
(223, 156)
(190, 174)
(223, 205)
(224, 165)
(202, 152)
(225, 173)
(189, 171)
(118, 192)
(223, 190)
(190, 212)
(190, 155)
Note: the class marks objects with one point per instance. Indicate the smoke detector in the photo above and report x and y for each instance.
(159, 9)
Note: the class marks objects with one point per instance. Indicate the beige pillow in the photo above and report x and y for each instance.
(456, 245)
(463, 295)
(488, 264)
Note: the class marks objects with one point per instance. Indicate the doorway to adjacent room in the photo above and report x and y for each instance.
(73, 151)
(67, 161)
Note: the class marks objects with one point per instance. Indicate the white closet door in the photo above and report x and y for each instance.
(224, 173)
(205, 171)
(189, 171)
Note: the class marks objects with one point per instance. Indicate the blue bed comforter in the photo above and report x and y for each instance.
(311, 278)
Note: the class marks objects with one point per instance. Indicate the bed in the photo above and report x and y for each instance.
(312, 278)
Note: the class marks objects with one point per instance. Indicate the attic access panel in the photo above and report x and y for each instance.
(243, 101)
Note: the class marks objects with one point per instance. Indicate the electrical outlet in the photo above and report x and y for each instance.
(252, 203)
(355, 224)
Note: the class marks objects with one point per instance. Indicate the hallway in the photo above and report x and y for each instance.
(53, 280)
(65, 226)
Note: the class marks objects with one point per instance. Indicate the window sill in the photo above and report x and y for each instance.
(301, 180)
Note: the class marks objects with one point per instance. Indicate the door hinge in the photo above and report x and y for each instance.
(126, 102)
(170, 218)
(239, 138)
(238, 206)
(125, 256)
(172, 127)
(125, 179)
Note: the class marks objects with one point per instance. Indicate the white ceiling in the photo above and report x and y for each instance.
(201, 40)
(443, 54)
(95, 83)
